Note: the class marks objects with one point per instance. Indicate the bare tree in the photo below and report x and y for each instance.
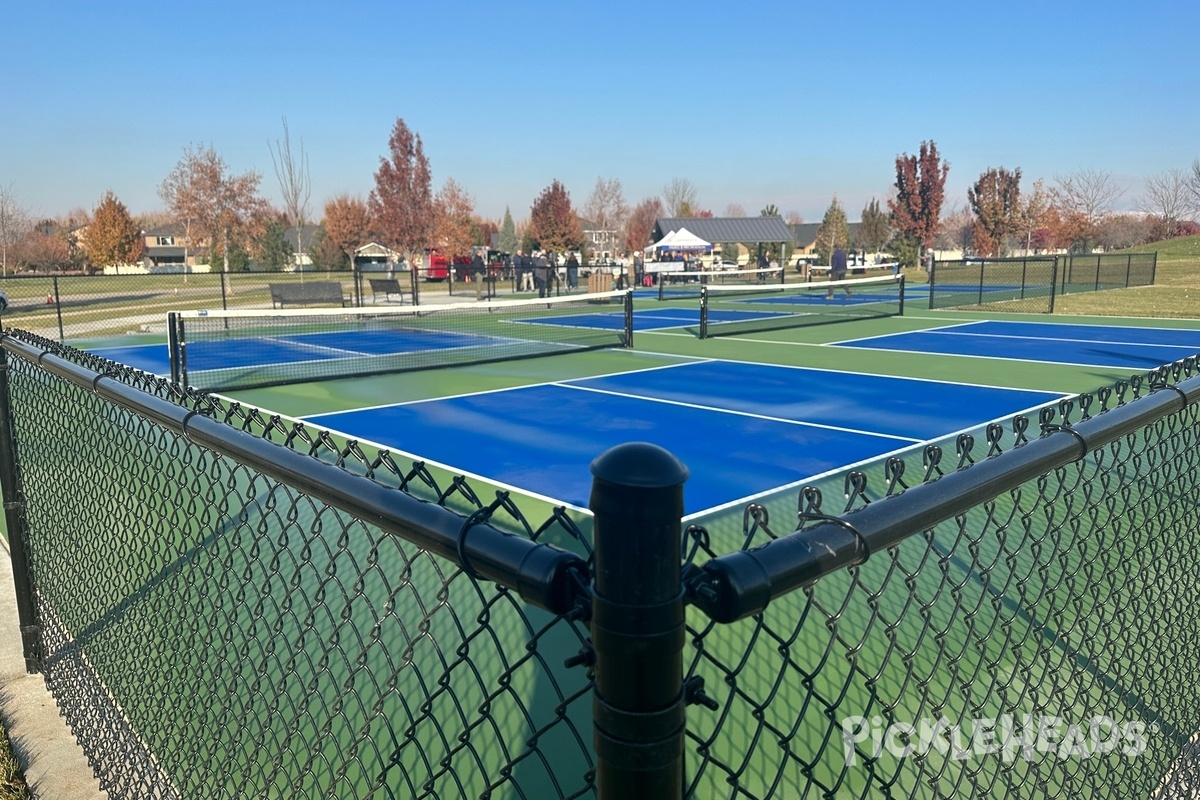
(680, 197)
(606, 208)
(1194, 185)
(1168, 196)
(14, 224)
(735, 210)
(954, 230)
(292, 172)
(794, 218)
(1084, 198)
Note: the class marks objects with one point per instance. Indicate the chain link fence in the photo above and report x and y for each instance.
(1031, 284)
(76, 307)
(227, 605)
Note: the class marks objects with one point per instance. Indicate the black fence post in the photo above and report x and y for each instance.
(638, 623)
(58, 310)
(14, 518)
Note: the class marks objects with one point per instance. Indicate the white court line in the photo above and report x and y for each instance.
(1006, 358)
(553, 382)
(909, 378)
(749, 414)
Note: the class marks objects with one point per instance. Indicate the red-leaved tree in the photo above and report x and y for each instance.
(553, 223)
(920, 189)
(640, 223)
(402, 201)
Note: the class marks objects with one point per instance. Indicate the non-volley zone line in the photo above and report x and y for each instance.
(744, 430)
(1048, 342)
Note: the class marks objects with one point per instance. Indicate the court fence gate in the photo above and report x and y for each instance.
(225, 604)
(1032, 283)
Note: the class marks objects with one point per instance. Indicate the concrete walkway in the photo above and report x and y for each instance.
(54, 764)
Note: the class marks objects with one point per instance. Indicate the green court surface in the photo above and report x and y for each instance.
(916, 630)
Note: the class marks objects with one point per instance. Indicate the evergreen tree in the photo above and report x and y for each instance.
(874, 230)
(834, 231)
(276, 249)
(508, 233)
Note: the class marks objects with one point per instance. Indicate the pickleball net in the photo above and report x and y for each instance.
(729, 310)
(220, 350)
(687, 285)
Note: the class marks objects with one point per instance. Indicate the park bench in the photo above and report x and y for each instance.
(386, 287)
(305, 294)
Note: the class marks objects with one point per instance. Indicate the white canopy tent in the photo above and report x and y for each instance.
(682, 239)
(663, 242)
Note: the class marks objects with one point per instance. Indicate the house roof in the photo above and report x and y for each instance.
(376, 250)
(747, 230)
(805, 233)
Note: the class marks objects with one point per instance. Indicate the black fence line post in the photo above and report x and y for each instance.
(638, 623)
(58, 310)
(414, 272)
(1024, 273)
(982, 262)
(932, 281)
(1053, 284)
(14, 504)
(1128, 268)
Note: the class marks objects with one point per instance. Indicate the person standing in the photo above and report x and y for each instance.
(478, 273)
(572, 272)
(524, 272)
(837, 270)
(541, 272)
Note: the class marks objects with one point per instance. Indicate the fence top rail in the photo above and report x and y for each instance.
(742, 583)
(544, 575)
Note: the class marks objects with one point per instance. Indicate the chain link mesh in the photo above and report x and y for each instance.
(957, 662)
(210, 632)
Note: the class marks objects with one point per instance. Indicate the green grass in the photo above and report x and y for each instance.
(12, 779)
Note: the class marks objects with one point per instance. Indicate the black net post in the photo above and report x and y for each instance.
(14, 518)
(638, 623)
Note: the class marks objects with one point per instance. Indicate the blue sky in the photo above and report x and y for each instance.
(789, 103)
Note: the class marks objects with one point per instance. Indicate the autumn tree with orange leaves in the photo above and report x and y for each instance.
(113, 237)
(348, 223)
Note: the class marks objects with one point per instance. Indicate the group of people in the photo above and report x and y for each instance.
(538, 271)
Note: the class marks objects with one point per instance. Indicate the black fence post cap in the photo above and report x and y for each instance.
(639, 464)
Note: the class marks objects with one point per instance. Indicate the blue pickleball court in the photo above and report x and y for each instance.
(1054, 342)
(743, 429)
